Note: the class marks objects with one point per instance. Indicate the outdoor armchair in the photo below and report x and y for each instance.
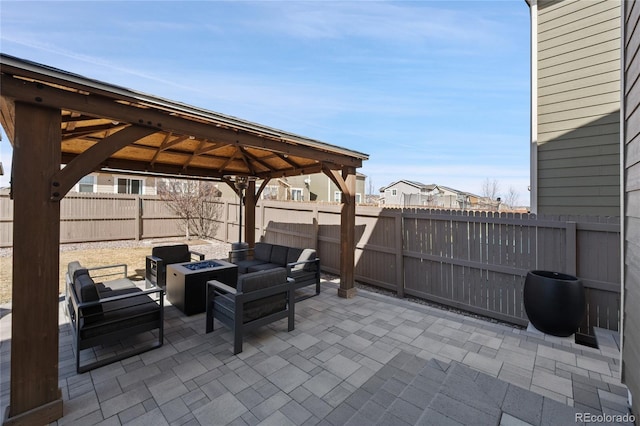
(258, 299)
(103, 312)
(161, 256)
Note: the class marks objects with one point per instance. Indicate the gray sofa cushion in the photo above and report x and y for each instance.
(263, 267)
(262, 251)
(293, 254)
(279, 255)
(244, 266)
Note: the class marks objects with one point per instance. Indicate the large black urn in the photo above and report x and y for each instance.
(555, 302)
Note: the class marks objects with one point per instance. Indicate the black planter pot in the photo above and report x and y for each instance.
(555, 303)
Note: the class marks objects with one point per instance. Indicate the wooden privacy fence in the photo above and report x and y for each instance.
(105, 217)
(475, 261)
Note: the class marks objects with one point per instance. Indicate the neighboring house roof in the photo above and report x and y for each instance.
(429, 187)
(408, 182)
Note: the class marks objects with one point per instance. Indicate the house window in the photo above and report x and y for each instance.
(358, 198)
(394, 192)
(129, 186)
(337, 196)
(270, 192)
(296, 194)
(87, 184)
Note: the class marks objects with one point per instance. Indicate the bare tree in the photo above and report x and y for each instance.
(512, 197)
(490, 189)
(195, 203)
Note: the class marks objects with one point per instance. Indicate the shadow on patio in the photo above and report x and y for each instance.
(372, 359)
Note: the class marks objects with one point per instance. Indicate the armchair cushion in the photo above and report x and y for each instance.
(87, 292)
(172, 254)
(124, 313)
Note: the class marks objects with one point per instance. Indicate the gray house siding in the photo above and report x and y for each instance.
(631, 165)
(578, 107)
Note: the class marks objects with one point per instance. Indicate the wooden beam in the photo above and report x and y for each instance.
(337, 178)
(81, 132)
(107, 108)
(250, 213)
(7, 117)
(194, 155)
(256, 159)
(169, 169)
(263, 185)
(35, 395)
(87, 162)
(287, 160)
(229, 160)
(348, 234)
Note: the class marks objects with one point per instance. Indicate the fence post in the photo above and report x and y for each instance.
(226, 221)
(316, 226)
(399, 232)
(570, 242)
(262, 209)
(138, 217)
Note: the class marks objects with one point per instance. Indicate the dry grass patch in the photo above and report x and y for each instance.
(133, 257)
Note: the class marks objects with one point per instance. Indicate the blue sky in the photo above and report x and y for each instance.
(433, 91)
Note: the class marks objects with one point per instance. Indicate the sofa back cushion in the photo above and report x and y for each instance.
(178, 253)
(279, 255)
(293, 254)
(262, 251)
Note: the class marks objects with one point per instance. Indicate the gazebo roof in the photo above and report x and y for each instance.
(179, 139)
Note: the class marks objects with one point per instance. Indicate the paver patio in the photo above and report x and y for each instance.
(372, 359)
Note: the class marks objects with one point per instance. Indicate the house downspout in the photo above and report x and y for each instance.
(533, 186)
(622, 191)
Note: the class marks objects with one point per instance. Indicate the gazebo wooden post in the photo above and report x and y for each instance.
(347, 234)
(250, 214)
(35, 396)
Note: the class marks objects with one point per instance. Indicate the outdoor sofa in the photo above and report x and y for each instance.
(106, 312)
(302, 265)
(259, 298)
(161, 256)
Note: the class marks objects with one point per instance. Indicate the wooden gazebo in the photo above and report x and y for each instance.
(54, 118)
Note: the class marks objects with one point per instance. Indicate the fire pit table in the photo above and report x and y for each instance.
(186, 282)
